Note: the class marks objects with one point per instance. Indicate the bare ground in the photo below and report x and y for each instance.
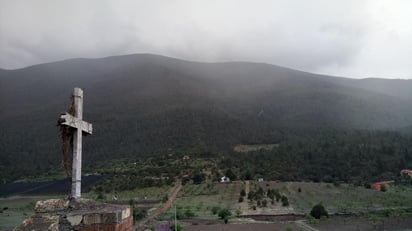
(243, 227)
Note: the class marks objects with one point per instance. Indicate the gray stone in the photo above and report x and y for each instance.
(51, 205)
(125, 213)
(75, 219)
(92, 219)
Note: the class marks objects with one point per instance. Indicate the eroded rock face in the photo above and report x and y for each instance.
(62, 215)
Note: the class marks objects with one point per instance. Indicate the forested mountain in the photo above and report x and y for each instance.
(146, 104)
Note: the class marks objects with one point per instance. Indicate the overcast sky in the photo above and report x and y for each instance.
(345, 38)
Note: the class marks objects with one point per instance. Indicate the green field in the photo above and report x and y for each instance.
(302, 196)
(202, 198)
(344, 198)
(197, 201)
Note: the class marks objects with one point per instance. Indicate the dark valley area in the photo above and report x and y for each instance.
(289, 125)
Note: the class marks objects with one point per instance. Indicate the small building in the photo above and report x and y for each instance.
(186, 157)
(260, 180)
(406, 172)
(377, 186)
(224, 179)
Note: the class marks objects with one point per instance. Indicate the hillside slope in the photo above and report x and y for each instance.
(147, 104)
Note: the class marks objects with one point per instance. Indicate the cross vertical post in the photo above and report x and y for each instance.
(76, 122)
(77, 145)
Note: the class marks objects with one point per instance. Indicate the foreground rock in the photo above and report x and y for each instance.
(82, 215)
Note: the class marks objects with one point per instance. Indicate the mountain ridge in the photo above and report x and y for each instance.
(145, 104)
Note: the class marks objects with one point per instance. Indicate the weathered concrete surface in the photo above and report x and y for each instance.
(74, 219)
(82, 214)
(76, 121)
(52, 205)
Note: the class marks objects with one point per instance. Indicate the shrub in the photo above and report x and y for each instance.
(240, 199)
(251, 195)
(215, 210)
(198, 178)
(278, 196)
(189, 213)
(224, 214)
(285, 201)
(264, 203)
(165, 198)
(311, 219)
(242, 193)
(178, 227)
(319, 211)
(138, 213)
(132, 202)
(100, 196)
(238, 213)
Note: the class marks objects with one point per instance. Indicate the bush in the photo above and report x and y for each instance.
(240, 199)
(242, 193)
(198, 178)
(215, 210)
(132, 202)
(101, 196)
(278, 196)
(311, 219)
(285, 201)
(165, 198)
(138, 213)
(238, 213)
(251, 195)
(264, 203)
(383, 188)
(178, 227)
(319, 211)
(224, 213)
(189, 213)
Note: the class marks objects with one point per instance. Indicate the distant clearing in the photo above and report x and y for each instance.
(254, 147)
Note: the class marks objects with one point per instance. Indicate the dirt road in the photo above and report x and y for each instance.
(172, 197)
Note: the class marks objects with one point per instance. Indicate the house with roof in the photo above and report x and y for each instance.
(224, 179)
(378, 185)
(406, 172)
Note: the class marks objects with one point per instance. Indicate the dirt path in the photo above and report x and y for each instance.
(304, 226)
(247, 187)
(244, 206)
(172, 197)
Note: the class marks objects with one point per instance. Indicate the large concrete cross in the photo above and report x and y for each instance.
(76, 121)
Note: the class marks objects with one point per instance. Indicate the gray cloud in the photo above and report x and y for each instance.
(347, 38)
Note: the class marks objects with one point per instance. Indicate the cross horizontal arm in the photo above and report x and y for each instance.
(71, 121)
